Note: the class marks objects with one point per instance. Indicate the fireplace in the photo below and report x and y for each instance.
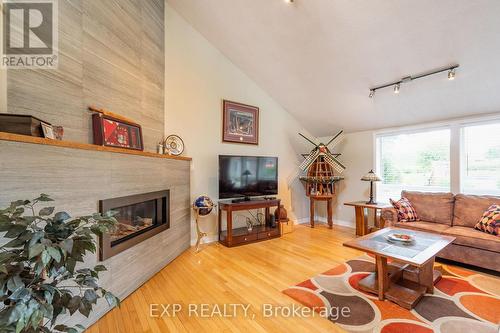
(139, 218)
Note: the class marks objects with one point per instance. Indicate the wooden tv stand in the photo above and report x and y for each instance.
(239, 236)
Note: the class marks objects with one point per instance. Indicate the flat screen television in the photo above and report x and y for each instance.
(244, 177)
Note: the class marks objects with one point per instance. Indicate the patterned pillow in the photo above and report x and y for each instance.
(406, 212)
(490, 221)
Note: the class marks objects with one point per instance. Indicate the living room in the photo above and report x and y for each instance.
(271, 165)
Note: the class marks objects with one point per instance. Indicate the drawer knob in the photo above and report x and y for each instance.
(245, 238)
(268, 234)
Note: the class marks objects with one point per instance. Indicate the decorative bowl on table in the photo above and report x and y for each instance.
(404, 238)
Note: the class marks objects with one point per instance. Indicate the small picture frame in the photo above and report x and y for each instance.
(240, 123)
(48, 131)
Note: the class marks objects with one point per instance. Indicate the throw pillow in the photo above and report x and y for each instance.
(406, 212)
(490, 221)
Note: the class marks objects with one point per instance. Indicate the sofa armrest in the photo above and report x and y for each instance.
(388, 217)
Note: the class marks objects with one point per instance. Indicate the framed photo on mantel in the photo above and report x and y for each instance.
(240, 123)
(113, 132)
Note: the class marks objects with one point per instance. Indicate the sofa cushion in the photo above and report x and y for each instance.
(490, 221)
(471, 256)
(423, 226)
(432, 207)
(470, 208)
(473, 238)
(406, 212)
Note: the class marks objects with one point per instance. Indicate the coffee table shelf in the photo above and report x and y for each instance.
(404, 289)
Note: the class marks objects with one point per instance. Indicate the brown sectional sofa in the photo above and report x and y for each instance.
(454, 215)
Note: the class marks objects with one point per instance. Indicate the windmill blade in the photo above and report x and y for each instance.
(336, 139)
(334, 163)
(311, 141)
(336, 136)
(310, 159)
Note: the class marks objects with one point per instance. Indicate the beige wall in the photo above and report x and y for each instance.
(358, 156)
(3, 90)
(78, 179)
(198, 77)
(3, 74)
(111, 55)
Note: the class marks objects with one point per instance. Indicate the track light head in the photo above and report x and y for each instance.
(289, 1)
(372, 93)
(396, 88)
(451, 74)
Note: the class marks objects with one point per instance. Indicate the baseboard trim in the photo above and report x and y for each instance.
(341, 223)
(304, 220)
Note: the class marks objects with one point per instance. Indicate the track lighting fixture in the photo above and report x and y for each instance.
(396, 88)
(397, 84)
(289, 1)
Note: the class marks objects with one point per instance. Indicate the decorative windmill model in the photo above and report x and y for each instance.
(323, 170)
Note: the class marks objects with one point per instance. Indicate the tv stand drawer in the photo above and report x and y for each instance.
(242, 239)
(268, 233)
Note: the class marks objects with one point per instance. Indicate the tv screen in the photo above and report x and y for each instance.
(247, 176)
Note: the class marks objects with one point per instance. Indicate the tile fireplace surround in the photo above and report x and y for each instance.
(77, 179)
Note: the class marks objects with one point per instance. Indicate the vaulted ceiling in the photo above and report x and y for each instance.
(318, 58)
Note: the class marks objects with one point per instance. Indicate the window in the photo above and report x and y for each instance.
(418, 161)
(480, 169)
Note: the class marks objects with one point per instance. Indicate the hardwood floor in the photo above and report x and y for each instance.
(253, 274)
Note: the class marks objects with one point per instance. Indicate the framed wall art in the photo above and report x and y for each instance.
(113, 132)
(240, 123)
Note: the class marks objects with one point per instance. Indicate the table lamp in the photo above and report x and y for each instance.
(371, 177)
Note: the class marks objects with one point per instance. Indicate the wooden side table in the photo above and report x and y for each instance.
(329, 208)
(361, 208)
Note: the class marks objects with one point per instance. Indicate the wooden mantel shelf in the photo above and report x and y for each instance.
(84, 146)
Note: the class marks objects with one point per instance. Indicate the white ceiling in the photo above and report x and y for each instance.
(318, 58)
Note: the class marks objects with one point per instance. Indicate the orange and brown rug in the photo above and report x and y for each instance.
(463, 301)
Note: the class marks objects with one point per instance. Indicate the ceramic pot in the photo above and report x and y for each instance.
(280, 214)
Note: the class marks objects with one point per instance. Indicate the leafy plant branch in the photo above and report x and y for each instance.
(38, 277)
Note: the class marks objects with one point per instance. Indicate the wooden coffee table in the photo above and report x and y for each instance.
(410, 273)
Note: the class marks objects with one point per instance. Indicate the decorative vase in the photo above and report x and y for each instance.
(272, 221)
(280, 214)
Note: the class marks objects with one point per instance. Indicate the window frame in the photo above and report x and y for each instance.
(463, 155)
(457, 143)
(402, 131)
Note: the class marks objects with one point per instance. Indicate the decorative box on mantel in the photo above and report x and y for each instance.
(21, 124)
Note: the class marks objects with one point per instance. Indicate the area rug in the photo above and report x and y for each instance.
(463, 301)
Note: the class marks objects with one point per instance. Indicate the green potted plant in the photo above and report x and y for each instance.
(39, 280)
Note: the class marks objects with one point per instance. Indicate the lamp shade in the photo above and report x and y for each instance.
(371, 177)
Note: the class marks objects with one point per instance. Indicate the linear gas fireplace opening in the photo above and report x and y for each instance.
(139, 218)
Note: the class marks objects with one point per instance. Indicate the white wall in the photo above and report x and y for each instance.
(198, 78)
(358, 156)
